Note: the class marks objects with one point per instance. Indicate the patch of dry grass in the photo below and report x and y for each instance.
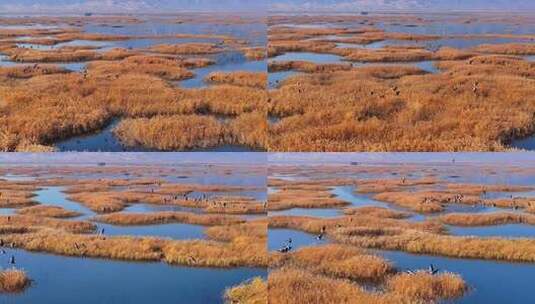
(156, 66)
(477, 106)
(48, 211)
(239, 78)
(13, 280)
(45, 222)
(338, 261)
(178, 132)
(293, 286)
(251, 292)
(187, 48)
(304, 198)
(487, 219)
(29, 71)
(426, 287)
(507, 48)
(167, 217)
(254, 53)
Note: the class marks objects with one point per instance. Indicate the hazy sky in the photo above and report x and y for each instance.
(435, 5)
(130, 5)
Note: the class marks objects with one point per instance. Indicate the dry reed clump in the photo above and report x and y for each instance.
(50, 107)
(293, 286)
(168, 188)
(239, 78)
(276, 48)
(256, 229)
(304, 198)
(507, 48)
(376, 212)
(391, 54)
(234, 207)
(307, 67)
(425, 201)
(355, 225)
(187, 48)
(339, 261)
(29, 71)
(224, 100)
(249, 129)
(13, 280)
(44, 222)
(120, 248)
(178, 132)
(48, 211)
(393, 185)
(490, 65)
(15, 198)
(254, 53)
(419, 242)
(139, 95)
(167, 217)
(363, 109)
(253, 291)
(240, 251)
(160, 67)
(422, 286)
(64, 55)
(478, 189)
(101, 202)
(488, 219)
(44, 109)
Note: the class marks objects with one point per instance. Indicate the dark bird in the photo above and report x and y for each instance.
(12, 260)
(432, 269)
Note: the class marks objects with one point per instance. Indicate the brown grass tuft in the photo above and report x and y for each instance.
(13, 280)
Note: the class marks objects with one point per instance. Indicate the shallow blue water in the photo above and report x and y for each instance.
(457, 43)
(255, 32)
(506, 231)
(279, 237)
(53, 196)
(348, 194)
(527, 143)
(66, 280)
(276, 78)
(176, 231)
(148, 208)
(316, 212)
(306, 56)
(7, 211)
(447, 28)
(103, 140)
(498, 195)
(225, 62)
